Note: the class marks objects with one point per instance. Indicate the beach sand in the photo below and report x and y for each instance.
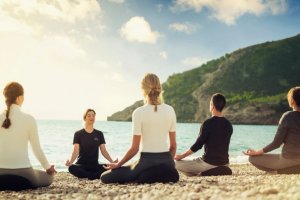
(246, 183)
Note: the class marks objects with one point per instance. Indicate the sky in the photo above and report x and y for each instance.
(71, 55)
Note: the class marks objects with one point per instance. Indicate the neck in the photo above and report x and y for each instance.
(89, 128)
(15, 104)
(296, 109)
(216, 113)
(149, 102)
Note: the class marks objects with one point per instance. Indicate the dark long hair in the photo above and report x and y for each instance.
(11, 92)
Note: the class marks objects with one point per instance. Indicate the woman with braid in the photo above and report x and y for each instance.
(17, 130)
(153, 126)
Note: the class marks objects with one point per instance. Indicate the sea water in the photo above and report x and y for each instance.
(56, 139)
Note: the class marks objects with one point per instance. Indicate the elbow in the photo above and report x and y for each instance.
(173, 147)
(193, 149)
(173, 144)
(134, 150)
(276, 145)
(103, 151)
(76, 151)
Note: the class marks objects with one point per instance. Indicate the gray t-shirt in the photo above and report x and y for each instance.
(288, 134)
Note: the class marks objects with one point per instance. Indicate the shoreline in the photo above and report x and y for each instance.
(246, 183)
(234, 160)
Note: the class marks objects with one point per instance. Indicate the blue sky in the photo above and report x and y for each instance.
(72, 55)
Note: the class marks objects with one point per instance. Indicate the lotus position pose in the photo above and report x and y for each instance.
(17, 130)
(153, 128)
(288, 134)
(86, 143)
(215, 134)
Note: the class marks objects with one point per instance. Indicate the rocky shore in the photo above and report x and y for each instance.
(246, 183)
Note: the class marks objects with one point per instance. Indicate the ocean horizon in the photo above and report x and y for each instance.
(56, 137)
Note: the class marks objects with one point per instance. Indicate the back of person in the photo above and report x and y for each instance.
(291, 146)
(214, 135)
(17, 131)
(14, 141)
(217, 143)
(155, 126)
(288, 134)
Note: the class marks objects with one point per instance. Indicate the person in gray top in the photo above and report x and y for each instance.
(288, 134)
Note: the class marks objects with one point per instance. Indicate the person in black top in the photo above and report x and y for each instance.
(86, 143)
(215, 134)
(288, 134)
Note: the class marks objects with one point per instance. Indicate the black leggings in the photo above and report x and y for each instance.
(151, 167)
(87, 171)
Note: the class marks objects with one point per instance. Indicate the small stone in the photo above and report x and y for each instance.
(269, 191)
(193, 196)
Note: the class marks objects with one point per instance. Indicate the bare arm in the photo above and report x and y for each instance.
(173, 145)
(130, 153)
(74, 155)
(105, 153)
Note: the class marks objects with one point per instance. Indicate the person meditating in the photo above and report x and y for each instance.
(215, 134)
(17, 130)
(86, 144)
(154, 126)
(288, 134)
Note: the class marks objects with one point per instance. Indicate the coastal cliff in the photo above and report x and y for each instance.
(255, 81)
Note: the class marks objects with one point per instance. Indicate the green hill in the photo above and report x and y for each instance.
(254, 80)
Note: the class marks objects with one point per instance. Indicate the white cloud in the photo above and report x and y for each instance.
(163, 55)
(193, 61)
(65, 10)
(139, 30)
(117, 1)
(187, 28)
(182, 5)
(9, 24)
(277, 6)
(62, 47)
(228, 11)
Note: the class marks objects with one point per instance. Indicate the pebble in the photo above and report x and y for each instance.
(193, 196)
(269, 191)
(246, 183)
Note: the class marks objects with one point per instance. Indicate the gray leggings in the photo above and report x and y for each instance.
(272, 162)
(193, 167)
(131, 173)
(37, 178)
